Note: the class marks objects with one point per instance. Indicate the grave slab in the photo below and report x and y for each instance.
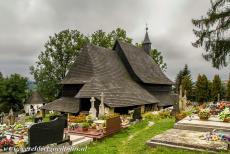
(187, 139)
(199, 125)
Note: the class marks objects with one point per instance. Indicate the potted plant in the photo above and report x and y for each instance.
(224, 115)
(204, 114)
(85, 126)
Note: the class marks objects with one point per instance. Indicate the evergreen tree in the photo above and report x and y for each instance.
(180, 76)
(228, 90)
(187, 86)
(216, 88)
(210, 91)
(202, 89)
(213, 33)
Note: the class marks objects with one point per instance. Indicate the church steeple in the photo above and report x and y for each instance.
(146, 45)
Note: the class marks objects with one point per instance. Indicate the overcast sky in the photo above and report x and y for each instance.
(25, 26)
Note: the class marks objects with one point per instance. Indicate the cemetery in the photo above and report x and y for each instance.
(91, 88)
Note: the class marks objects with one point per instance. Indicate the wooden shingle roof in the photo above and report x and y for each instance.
(63, 104)
(140, 64)
(103, 70)
(35, 98)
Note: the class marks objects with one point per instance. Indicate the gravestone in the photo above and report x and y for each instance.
(137, 114)
(41, 134)
(93, 110)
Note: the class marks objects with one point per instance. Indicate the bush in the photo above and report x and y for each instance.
(165, 114)
(160, 115)
(150, 116)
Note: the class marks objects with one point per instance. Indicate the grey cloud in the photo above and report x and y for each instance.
(26, 25)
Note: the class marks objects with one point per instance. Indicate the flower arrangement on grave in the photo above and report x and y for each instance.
(5, 144)
(216, 136)
(224, 115)
(109, 116)
(180, 116)
(21, 143)
(73, 126)
(77, 119)
(89, 119)
(204, 114)
(196, 109)
(221, 105)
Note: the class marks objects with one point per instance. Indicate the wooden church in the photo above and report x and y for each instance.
(126, 74)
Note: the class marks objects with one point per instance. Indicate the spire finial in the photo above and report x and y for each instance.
(146, 28)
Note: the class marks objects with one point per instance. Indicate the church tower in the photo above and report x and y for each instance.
(146, 45)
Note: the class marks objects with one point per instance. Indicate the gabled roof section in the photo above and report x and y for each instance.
(64, 104)
(35, 98)
(110, 76)
(82, 69)
(140, 64)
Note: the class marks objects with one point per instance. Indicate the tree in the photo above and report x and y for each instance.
(228, 90)
(202, 89)
(187, 86)
(210, 98)
(158, 58)
(216, 88)
(107, 40)
(1, 76)
(180, 76)
(213, 33)
(15, 92)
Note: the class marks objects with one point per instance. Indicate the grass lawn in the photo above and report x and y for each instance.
(132, 141)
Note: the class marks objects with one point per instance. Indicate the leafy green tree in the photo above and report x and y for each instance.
(216, 87)
(187, 86)
(1, 76)
(228, 90)
(15, 92)
(180, 76)
(101, 38)
(107, 40)
(53, 63)
(158, 58)
(2, 89)
(119, 34)
(213, 33)
(202, 89)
